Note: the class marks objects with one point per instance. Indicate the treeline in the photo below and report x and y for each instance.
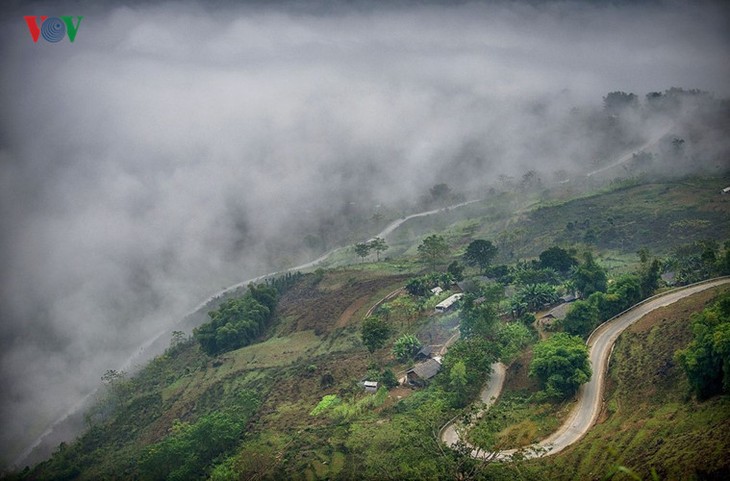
(237, 322)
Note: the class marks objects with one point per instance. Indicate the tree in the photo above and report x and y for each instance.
(537, 296)
(581, 319)
(378, 245)
(590, 277)
(441, 193)
(388, 379)
(374, 333)
(432, 250)
(650, 273)
(561, 364)
(362, 249)
(706, 360)
(458, 383)
(478, 319)
(558, 259)
(178, 338)
(616, 102)
(456, 271)
(237, 322)
(406, 347)
(480, 253)
(512, 338)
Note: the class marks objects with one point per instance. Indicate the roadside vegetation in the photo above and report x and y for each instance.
(271, 387)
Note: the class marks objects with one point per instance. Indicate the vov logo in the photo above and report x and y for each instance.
(53, 29)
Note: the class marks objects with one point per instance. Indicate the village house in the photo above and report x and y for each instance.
(447, 303)
(370, 386)
(422, 373)
(555, 314)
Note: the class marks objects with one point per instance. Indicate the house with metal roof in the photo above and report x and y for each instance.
(422, 373)
(447, 303)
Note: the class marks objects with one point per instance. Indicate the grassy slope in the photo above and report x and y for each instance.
(616, 221)
(649, 420)
(317, 332)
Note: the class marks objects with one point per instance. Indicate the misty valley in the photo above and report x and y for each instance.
(340, 240)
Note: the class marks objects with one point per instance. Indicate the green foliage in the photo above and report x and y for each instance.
(536, 296)
(406, 347)
(433, 250)
(514, 421)
(649, 274)
(421, 286)
(699, 260)
(480, 253)
(456, 270)
(388, 379)
(527, 274)
(285, 281)
(187, 453)
(558, 259)
(362, 249)
(458, 383)
(590, 277)
(328, 402)
(477, 318)
(478, 354)
(378, 245)
(237, 322)
(374, 333)
(581, 319)
(512, 338)
(706, 360)
(561, 364)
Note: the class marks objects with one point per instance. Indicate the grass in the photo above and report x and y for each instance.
(648, 414)
(517, 420)
(650, 421)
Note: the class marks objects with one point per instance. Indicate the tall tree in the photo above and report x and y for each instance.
(706, 360)
(378, 245)
(480, 253)
(458, 383)
(362, 249)
(557, 258)
(374, 333)
(433, 250)
(581, 319)
(590, 277)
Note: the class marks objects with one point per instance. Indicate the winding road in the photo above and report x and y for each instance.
(590, 395)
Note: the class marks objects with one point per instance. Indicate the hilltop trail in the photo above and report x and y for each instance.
(590, 395)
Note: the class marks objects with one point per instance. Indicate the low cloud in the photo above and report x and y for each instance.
(174, 149)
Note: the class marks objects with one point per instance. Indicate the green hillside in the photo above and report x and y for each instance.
(290, 406)
(649, 421)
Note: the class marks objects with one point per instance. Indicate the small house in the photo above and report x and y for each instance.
(669, 278)
(436, 291)
(424, 353)
(370, 386)
(726, 190)
(447, 303)
(569, 297)
(422, 373)
(557, 313)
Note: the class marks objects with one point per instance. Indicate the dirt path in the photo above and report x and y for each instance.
(590, 395)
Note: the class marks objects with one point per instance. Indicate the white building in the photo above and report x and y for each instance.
(446, 304)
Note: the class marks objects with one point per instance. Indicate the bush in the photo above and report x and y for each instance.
(561, 364)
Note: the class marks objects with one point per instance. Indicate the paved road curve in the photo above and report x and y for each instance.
(590, 395)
